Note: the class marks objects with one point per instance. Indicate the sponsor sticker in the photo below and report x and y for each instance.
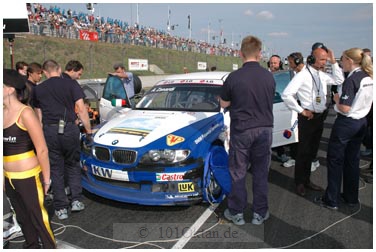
(181, 196)
(172, 140)
(186, 187)
(109, 173)
(163, 177)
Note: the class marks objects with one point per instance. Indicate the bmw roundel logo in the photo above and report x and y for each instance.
(115, 142)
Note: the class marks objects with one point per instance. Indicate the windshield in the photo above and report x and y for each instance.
(180, 97)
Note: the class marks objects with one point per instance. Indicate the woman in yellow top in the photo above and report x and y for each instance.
(25, 163)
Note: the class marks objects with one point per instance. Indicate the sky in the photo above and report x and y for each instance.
(283, 27)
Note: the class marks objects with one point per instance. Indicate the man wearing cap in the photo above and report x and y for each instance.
(309, 86)
(127, 78)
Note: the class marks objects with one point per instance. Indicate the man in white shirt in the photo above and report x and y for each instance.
(309, 86)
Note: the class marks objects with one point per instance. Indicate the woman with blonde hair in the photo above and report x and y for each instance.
(25, 163)
(352, 104)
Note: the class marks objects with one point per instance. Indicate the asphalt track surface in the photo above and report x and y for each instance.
(295, 222)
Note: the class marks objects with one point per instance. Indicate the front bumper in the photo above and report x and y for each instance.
(144, 190)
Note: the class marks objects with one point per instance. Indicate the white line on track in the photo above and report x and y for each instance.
(65, 245)
(196, 226)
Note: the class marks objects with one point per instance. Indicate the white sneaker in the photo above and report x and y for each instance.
(258, 219)
(77, 206)
(237, 219)
(289, 163)
(314, 165)
(62, 214)
(283, 158)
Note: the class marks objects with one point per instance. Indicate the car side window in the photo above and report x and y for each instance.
(282, 79)
(114, 89)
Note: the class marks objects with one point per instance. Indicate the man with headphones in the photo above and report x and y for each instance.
(309, 86)
(275, 63)
(296, 63)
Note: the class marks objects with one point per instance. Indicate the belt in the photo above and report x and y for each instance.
(56, 124)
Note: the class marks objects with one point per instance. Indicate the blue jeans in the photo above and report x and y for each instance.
(251, 146)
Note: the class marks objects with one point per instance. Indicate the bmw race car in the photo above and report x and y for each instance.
(171, 148)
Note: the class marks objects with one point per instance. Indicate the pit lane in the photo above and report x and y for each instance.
(295, 222)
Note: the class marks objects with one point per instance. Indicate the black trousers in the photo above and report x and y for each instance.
(343, 158)
(25, 192)
(310, 132)
(368, 138)
(64, 155)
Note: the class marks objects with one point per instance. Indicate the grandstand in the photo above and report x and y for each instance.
(53, 21)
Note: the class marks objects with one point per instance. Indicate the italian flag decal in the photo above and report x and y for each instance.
(118, 102)
(172, 140)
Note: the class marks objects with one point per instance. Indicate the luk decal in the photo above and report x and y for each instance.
(162, 177)
(109, 173)
(186, 187)
(172, 140)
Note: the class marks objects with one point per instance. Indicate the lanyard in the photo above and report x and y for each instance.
(314, 81)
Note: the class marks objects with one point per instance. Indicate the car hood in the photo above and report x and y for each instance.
(137, 128)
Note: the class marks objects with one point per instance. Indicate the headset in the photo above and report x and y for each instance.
(311, 59)
(297, 57)
(280, 61)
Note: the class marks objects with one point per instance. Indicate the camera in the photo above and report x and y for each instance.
(61, 127)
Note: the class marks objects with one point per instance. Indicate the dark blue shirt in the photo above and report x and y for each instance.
(250, 90)
(56, 97)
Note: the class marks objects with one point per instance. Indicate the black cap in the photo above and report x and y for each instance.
(12, 78)
(117, 65)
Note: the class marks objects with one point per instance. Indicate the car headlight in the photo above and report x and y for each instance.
(164, 156)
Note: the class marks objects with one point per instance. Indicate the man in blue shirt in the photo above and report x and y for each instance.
(127, 78)
(248, 93)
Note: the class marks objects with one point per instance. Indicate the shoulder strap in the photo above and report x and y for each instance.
(19, 116)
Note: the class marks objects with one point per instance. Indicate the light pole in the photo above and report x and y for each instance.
(221, 31)
(209, 33)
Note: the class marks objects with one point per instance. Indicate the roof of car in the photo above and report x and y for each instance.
(215, 76)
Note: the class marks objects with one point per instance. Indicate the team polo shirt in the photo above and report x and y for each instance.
(56, 97)
(356, 92)
(250, 90)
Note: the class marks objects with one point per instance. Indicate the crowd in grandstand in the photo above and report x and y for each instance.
(55, 22)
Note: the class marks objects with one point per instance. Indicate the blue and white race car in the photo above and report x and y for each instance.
(171, 148)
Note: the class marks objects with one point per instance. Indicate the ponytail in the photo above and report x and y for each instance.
(367, 64)
(361, 59)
